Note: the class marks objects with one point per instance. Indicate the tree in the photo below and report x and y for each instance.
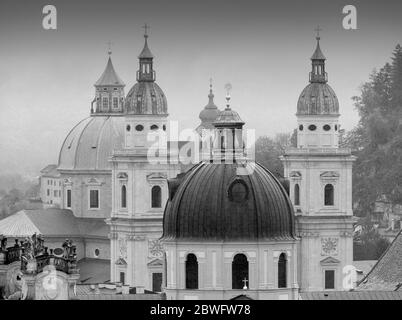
(377, 139)
(368, 244)
(268, 150)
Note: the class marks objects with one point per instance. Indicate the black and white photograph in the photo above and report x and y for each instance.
(219, 151)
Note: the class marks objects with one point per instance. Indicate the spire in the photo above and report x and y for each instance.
(211, 104)
(109, 76)
(146, 53)
(146, 72)
(318, 74)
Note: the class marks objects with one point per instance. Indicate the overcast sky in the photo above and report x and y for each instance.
(261, 47)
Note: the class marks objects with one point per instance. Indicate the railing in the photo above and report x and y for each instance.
(13, 254)
(60, 264)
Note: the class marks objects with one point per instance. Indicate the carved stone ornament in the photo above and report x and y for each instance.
(123, 248)
(155, 248)
(329, 246)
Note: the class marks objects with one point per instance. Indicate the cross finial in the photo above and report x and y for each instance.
(245, 283)
(318, 29)
(228, 88)
(210, 83)
(110, 48)
(146, 28)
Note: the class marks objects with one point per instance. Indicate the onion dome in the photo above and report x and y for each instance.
(209, 114)
(90, 143)
(214, 202)
(318, 98)
(146, 97)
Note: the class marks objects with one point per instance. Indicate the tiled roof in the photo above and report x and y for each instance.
(94, 270)
(352, 295)
(109, 77)
(387, 272)
(51, 222)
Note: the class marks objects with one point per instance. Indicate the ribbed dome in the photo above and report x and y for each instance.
(228, 117)
(211, 201)
(90, 143)
(146, 98)
(318, 99)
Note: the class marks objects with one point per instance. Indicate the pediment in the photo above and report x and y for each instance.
(329, 260)
(155, 263)
(121, 262)
(157, 176)
(329, 174)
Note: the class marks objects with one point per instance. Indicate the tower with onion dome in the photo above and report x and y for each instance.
(320, 177)
(139, 182)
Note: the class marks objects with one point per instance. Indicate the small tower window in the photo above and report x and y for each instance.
(301, 127)
(128, 128)
(105, 104)
(282, 274)
(329, 195)
(191, 271)
(312, 127)
(239, 271)
(139, 127)
(94, 199)
(156, 197)
(297, 194)
(115, 103)
(123, 197)
(329, 279)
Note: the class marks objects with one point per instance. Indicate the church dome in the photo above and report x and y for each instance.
(214, 202)
(146, 97)
(318, 99)
(90, 143)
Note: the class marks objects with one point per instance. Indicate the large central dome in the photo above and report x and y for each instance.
(213, 202)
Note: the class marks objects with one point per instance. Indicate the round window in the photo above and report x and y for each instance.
(312, 127)
(139, 127)
(128, 128)
(327, 127)
(154, 127)
(301, 127)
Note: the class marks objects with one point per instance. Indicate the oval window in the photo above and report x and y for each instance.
(128, 128)
(336, 127)
(312, 127)
(96, 253)
(238, 191)
(327, 127)
(301, 127)
(164, 127)
(139, 127)
(154, 127)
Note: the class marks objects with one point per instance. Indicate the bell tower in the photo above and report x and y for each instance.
(320, 176)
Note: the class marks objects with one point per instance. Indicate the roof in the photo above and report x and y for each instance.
(94, 270)
(228, 117)
(120, 296)
(146, 53)
(318, 55)
(50, 171)
(227, 202)
(91, 142)
(152, 99)
(351, 295)
(318, 99)
(109, 77)
(51, 222)
(387, 272)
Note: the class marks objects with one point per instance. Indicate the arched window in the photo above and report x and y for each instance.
(191, 272)
(297, 195)
(329, 195)
(156, 197)
(123, 197)
(239, 271)
(282, 271)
